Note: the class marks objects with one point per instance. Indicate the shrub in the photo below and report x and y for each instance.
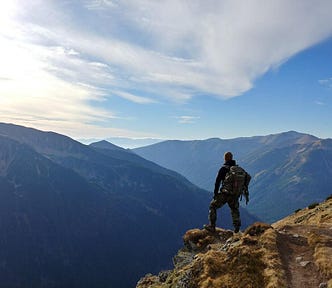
(313, 205)
(329, 197)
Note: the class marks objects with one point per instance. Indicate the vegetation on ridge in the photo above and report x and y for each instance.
(294, 252)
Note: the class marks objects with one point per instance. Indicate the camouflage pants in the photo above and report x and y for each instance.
(220, 200)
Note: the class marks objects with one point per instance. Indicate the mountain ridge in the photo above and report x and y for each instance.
(293, 252)
(276, 162)
(66, 205)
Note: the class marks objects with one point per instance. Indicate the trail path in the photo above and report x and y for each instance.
(297, 255)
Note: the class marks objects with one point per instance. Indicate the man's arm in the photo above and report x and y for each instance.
(217, 183)
(220, 177)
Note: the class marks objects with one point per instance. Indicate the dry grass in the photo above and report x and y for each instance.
(323, 256)
(323, 253)
(241, 267)
(253, 261)
(257, 228)
(274, 273)
(326, 218)
(198, 240)
(329, 284)
(315, 239)
(150, 281)
(321, 214)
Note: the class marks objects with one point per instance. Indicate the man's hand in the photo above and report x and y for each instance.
(246, 195)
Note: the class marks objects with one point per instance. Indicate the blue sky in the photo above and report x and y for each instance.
(168, 69)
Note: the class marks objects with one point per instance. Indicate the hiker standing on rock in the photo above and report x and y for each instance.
(235, 181)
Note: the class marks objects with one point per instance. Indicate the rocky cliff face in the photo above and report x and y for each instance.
(294, 252)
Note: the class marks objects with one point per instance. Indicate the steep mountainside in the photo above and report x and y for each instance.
(294, 252)
(290, 170)
(87, 216)
(49, 217)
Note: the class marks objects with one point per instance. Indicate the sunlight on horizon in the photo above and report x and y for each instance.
(70, 64)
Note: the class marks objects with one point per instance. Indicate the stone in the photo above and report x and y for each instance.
(298, 259)
(304, 263)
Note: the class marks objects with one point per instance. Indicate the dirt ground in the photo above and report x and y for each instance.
(298, 255)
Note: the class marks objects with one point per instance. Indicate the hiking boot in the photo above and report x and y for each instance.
(236, 229)
(209, 228)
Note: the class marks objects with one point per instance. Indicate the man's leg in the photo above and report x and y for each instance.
(233, 203)
(216, 203)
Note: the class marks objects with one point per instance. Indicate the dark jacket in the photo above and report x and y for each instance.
(222, 173)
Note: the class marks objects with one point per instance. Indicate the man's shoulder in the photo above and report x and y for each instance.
(229, 164)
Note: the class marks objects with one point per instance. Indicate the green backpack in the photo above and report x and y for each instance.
(236, 182)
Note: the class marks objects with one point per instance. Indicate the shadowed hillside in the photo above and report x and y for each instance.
(294, 252)
(73, 215)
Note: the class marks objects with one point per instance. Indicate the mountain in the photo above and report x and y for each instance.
(73, 215)
(294, 252)
(52, 222)
(124, 142)
(290, 170)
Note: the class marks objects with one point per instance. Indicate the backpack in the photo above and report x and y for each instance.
(236, 182)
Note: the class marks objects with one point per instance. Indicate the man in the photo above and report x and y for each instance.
(224, 197)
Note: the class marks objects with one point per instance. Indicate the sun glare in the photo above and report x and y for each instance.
(8, 10)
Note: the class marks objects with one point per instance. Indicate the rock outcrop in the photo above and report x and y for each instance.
(294, 252)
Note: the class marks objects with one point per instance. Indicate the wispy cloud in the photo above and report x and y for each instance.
(326, 82)
(134, 98)
(187, 119)
(99, 4)
(214, 47)
(60, 58)
(320, 103)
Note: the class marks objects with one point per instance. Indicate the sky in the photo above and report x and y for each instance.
(170, 69)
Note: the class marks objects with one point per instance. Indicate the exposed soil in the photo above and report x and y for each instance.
(297, 255)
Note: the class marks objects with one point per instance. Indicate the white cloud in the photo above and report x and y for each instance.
(31, 92)
(134, 98)
(58, 57)
(99, 4)
(214, 47)
(225, 45)
(187, 119)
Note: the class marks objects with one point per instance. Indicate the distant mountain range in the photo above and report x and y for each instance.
(124, 142)
(290, 170)
(73, 215)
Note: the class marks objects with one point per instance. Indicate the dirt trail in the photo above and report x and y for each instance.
(297, 256)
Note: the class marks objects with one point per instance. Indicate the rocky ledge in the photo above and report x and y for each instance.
(294, 252)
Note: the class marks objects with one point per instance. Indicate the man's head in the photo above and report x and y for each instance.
(228, 156)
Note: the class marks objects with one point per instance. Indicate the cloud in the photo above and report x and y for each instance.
(326, 82)
(40, 88)
(187, 119)
(320, 103)
(64, 58)
(213, 47)
(134, 98)
(99, 4)
(210, 47)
